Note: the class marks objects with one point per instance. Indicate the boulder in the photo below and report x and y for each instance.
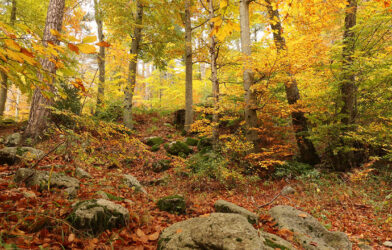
(33, 177)
(287, 190)
(13, 140)
(387, 244)
(132, 182)
(13, 155)
(81, 173)
(154, 141)
(272, 242)
(309, 233)
(155, 148)
(160, 166)
(216, 231)
(178, 148)
(191, 141)
(174, 204)
(222, 206)
(95, 216)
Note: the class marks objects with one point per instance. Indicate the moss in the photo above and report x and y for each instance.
(191, 141)
(155, 148)
(154, 141)
(204, 145)
(160, 166)
(274, 245)
(178, 148)
(172, 204)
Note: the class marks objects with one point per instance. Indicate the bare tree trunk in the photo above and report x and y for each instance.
(348, 85)
(214, 79)
(100, 57)
(39, 111)
(4, 76)
(307, 150)
(188, 68)
(250, 97)
(129, 90)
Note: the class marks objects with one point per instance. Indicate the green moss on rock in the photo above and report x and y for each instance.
(160, 166)
(174, 204)
(191, 141)
(154, 141)
(178, 148)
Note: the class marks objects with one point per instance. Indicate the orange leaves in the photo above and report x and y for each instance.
(77, 83)
(103, 44)
(73, 48)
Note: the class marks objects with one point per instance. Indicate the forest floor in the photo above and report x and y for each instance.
(358, 208)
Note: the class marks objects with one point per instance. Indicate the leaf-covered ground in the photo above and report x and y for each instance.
(358, 208)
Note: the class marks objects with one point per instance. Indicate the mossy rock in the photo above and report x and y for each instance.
(155, 148)
(96, 216)
(154, 141)
(191, 141)
(204, 145)
(8, 121)
(160, 166)
(174, 204)
(178, 148)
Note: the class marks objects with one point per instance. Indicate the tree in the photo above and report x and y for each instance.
(100, 57)
(188, 68)
(307, 150)
(39, 111)
(250, 97)
(4, 83)
(214, 75)
(135, 46)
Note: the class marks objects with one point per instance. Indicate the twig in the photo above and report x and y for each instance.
(48, 153)
(270, 202)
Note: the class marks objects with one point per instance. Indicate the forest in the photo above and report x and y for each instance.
(196, 124)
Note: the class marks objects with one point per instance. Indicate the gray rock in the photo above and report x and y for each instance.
(13, 155)
(222, 206)
(217, 231)
(29, 195)
(387, 244)
(79, 172)
(287, 190)
(274, 242)
(33, 177)
(95, 216)
(13, 140)
(308, 231)
(174, 204)
(131, 181)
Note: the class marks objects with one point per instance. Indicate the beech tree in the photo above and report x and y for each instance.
(135, 46)
(188, 67)
(100, 56)
(39, 111)
(307, 150)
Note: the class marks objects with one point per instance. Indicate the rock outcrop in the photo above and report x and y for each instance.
(222, 206)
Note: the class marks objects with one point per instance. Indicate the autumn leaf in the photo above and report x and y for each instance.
(87, 49)
(154, 236)
(11, 44)
(71, 237)
(103, 44)
(89, 39)
(223, 4)
(55, 33)
(303, 215)
(73, 48)
(142, 236)
(27, 52)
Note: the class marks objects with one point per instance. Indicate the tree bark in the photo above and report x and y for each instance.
(100, 57)
(188, 68)
(129, 90)
(4, 76)
(39, 111)
(251, 119)
(307, 150)
(214, 79)
(347, 87)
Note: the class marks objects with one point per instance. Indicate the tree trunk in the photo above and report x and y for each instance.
(307, 150)
(4, 76)
(347, 87)
(250, 97)
(39, 111)
(101, 57)
(214, 79)
(129, 90)
(188, 68)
